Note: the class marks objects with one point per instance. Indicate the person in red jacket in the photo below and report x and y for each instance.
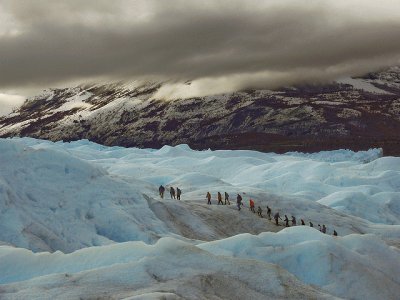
(252, 206)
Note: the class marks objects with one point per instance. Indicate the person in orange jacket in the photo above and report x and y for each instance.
(219, 197)
(252, 206)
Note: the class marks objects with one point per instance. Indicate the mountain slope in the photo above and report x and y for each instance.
(353, 113)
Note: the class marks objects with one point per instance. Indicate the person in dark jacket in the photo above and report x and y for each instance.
(239, 201)
(220, 199)
(172, 192)
(311, 224)
(323, 230)
(178, 193)
(227, 198)
(302, 222)
(269, 212)
(293, 221)
(276, 217)
(208, 196)
(286, 221)
(161, 190)
(334, 233)
(259, 212)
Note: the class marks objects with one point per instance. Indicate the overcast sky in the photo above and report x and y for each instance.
(221, 46)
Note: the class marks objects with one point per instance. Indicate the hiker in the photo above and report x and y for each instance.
(334, 232)
(239, 201)
(227, 198)
(319, 227)
(323, 228)
(161, 190)
(286, 221)
(259, 212)
(302, 222)
(178, 193)
(220, 199)
(293, 221)
(276, 216)
(311, 224)
(172, 192)
(269, 212)
(208, 196)
(252, 206)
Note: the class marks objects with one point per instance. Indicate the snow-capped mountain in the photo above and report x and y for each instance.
(353, 113)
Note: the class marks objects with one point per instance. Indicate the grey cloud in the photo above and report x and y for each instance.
(245, 43)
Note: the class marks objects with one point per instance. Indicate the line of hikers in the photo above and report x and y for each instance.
(323, 229)
(219, 197)
(174, 195)
(239, 203)
(239, 200)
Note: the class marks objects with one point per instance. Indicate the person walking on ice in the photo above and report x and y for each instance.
(239, 201)
(220, 199)
(293, 221)
(286, 221)
(178, 193)
(276, 217)
(259, 212)
(269, 212)
(208, 196)
(252, 206)
(227, 198)
(172, 192)
(161, 190)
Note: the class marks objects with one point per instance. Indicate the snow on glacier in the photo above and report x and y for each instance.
(169, 268)
(100, 206)
(337, 265)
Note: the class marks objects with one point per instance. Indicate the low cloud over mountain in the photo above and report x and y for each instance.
(220, 46)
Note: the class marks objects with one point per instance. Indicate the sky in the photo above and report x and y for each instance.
(220, 46)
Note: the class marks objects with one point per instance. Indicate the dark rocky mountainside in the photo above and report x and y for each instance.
(353, 113)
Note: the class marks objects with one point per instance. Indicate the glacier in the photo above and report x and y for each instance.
(82, 220)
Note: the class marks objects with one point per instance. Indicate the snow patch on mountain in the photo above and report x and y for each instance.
(76, 101)
(362, 84)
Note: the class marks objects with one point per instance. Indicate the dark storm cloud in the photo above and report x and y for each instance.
(221, 45)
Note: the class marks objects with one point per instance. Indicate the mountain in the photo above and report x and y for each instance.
(353, 113)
